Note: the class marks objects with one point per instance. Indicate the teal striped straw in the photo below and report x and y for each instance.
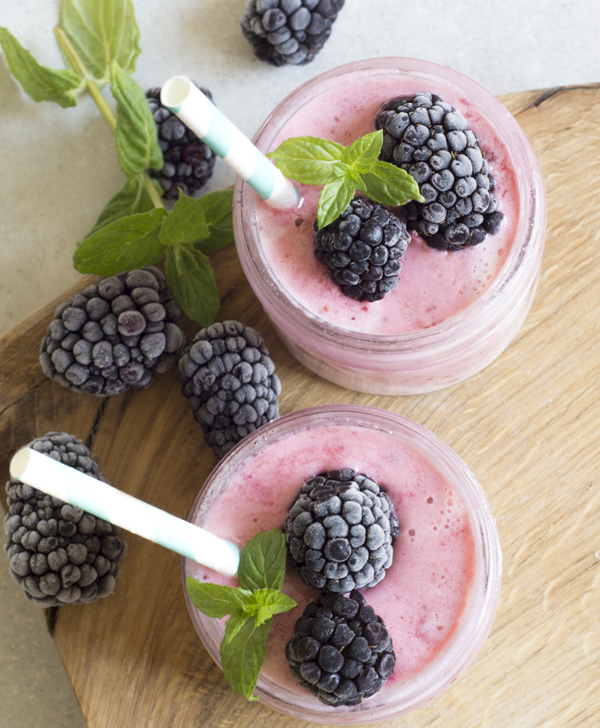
(199, 113)
(112, 505)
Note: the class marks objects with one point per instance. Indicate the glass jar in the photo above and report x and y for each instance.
(442, 353)
(322, 438)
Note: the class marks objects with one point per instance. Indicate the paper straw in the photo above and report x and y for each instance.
(199, 113)
(112, 505)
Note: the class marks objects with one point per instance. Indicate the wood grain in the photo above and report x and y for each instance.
(526, 425)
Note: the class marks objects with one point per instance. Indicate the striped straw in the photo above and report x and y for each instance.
(199, 113)
(112, 505)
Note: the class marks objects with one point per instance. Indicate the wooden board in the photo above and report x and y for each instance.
(526, 425)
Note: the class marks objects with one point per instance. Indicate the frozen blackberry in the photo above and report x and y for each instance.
(289, 32)
(430, 139)
(339, 531)
(362, 249)
(231, 383)
(341, 651)
(58, 553)
(189, 162)
(114, 335)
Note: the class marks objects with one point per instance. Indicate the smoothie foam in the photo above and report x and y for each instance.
(433, 285)
(439, 596)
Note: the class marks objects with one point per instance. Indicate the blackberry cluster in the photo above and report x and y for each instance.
(339, 531)
(341, 651)
(114, 335)
(289, 32)
(231, 383)
(189, 162)
(58, 553)
(428, 138)
(362, 249)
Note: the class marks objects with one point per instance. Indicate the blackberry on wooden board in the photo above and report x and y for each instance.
(341, 651)
(339, 531)
(59, 553)
(430, 139)
(362, 249)
(189, 162)
(289, 32)
(230, 380)
(114, 335)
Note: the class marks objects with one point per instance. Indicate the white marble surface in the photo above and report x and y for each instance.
(58, 168)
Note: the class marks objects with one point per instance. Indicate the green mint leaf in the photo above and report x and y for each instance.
(136, 137)
(335, 198)
(235, 622)
(243, 655)
(262, 562)
(389, 185)
(215, 600)
(124, 244)
(42, 84)
(191, 279)
(272, 602)
(102, 31)
(132, 198)
(308, 160)
(218, 210)
(362, 154)
(186, 222)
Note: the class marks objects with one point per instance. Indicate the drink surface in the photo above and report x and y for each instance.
(433, 285)
(424, 592)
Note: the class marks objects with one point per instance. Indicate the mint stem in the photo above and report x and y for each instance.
(103, 107)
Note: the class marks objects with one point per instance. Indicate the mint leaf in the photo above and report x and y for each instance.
(243, 656)
(362, 154)
(124, 244)
(341, 170)
(235, 622)
(129, 200)
(389, 185)
(136, 137)
(262, 562)
(186, 222)
(191, 279)
(218, 207)
(335, 198)
(308, 160)
(215, 600)
(42, 84)
(102, 31)
(272, 602)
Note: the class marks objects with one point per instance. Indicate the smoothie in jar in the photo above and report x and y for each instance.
(439, 596)
(452, 312)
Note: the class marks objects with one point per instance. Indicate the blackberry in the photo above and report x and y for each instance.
(189, 162)
(289, 32)
(339, 531)
(362, 249)
(114, 335)
(341, 651)
(58, 553)
(231, 383)
(430, 139)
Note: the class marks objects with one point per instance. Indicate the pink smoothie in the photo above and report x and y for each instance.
(433, 285)
(423, 594)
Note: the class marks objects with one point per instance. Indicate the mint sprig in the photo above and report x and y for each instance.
(342, 170)
(100, 42)
(251, 608)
